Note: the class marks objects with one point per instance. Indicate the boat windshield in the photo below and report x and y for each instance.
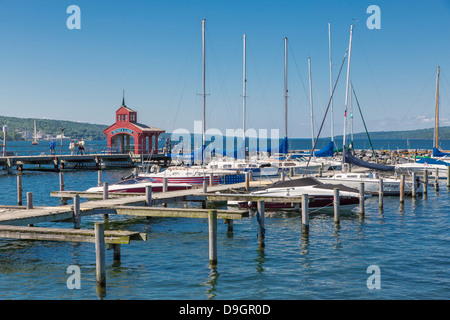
(137, 180)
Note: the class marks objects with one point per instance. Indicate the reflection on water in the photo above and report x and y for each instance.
(211, 283)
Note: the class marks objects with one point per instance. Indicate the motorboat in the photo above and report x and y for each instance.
(371, 180)
(321, 195)
(189, 175)
(138, 184)
(241, 166)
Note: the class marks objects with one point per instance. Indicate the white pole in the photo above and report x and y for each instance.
(331, 84)
(285, 89)
(204, 92)
(311, 103)
(244, 83)
(346, 97)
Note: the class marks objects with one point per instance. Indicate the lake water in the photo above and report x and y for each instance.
(409, 245)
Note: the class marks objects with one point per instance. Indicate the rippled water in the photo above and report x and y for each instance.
(410, 245)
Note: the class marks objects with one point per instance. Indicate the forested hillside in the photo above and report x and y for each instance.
(75, 130)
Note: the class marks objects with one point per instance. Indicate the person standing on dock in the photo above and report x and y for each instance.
(52, 146)
(72, 147)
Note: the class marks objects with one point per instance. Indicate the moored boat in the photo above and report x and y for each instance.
(138, 185)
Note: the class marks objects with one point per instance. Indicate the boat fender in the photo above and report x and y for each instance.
(155, 169)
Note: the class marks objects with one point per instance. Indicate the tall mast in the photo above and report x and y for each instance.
(351, 113)
(331, 84)
(285, 89)
(311, 103)
(244, 84)
(346, 98)
(436, 124)
(204, 92)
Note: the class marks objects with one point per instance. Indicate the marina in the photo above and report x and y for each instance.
(207, 151)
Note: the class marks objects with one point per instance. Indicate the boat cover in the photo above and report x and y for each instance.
(438, 153)
(432, 161)
(349, 158)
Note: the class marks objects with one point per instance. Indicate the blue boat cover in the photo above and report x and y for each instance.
(349, 158)
(432, 161)
(438, 153)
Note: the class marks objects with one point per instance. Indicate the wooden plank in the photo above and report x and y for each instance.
(179, 212)
(72, 235)
(245, 197)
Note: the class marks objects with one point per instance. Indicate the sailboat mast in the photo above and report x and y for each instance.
(311, 103)
(285, 90)
(436, 124)
(346, 98)
(204, 91)
(244, 84)
(331, 83)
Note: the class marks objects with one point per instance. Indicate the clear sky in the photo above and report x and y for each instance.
(152, 50)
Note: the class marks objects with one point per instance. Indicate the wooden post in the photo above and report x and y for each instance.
(100, 254)
(247, 182)
(436, 180)
(425, 182)
(448, 176)
(19, 190)
(76, 212)
(229, 223)
(211, 179)
(164, 184)
(336, 205)
(99, 178)
(321, 170)
(361, 199)
(116, 254)
(305, 215)
(212, 222)
(61, 181)
(413, 185)
(148, 196)
(402, 189)
(260, 221)
(380, 193)
(205, 185)
(29, 200)
(291, 172)
(105, 190)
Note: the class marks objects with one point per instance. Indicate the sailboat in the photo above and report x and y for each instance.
(438, 161)
(35, 142)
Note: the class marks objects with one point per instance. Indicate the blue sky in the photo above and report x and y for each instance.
(152, 50)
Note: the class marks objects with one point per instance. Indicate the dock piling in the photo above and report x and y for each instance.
(212, 222)
(99, 178)
(305, 215)
(380, 193)
(336, 206)
(148, 196)
(76, 212)
(402, 189)
(260, 220)
(425, 182)
(19, 190)
(29, 200)
(100, 254)
(105, 190)
(413, 185)
(448, 176)
(436, 180)
(361, 199)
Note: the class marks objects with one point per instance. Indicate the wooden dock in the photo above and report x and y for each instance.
(70, 162)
